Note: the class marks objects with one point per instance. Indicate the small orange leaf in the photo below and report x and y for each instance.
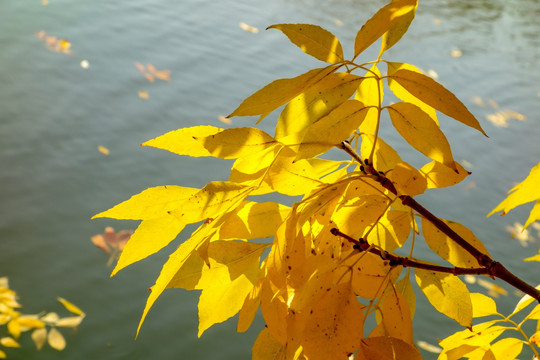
(102, 149)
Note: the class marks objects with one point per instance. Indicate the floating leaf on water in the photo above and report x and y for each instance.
(338, 22)
(428, 347)
(249, 28)
(85, 64)
(501, 118)
(151, 73)
(522, 235)
(225, 119)
(493, 289)
(44, 2)
(112, 242)
(493, 103)
(102, 149)
(470, 185)
(477, 100)
(143, 94)
(455, 53)
(53, 43)
(437, 21)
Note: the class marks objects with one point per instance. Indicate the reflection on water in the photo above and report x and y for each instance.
(55, 113)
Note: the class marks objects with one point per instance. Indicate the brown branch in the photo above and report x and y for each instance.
(491, 267)
(395, 260)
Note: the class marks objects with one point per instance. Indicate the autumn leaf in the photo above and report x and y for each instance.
(313, 40)
(400, 27)
(237, 142)
(433, 94)
(182, 141)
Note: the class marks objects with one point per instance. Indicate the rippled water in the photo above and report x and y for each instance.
(54, 114)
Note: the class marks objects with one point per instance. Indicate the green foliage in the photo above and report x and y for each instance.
(330, 264)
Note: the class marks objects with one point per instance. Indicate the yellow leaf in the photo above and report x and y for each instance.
(439, 175)
(508, 348)
(332, 129)
(421, 132)
(70, 307)
(403, 94)
(535, 339)
(71, 321)
(274, 310)
(386, 348)
(279, 92)
(483, 305)
(404, 286)
(384, 156)
(9, 342)
(392, 36)
(534, 314)
(407, 180)
(234, 266)
(312, 104)
(391, 231)
(434, 94)
(534, 215)
(334, 326)
(14, 328)
(447, 293)
(237, 142)
(181, 141)
(178, 258)
(313, 40)
(249, 308)
(56, 340)
(447, 248)
(254, 220)
(29, 322)
(533, 258)
(381, 22)
(102, 149)
(154, 202)
(525, 301)
(396, 318)
(370, 93)
(354, 214)
(524, 192)
(215, 197)
(267, 348)
(39, 336)
(465, 341)
(143, 94)
(3, 355)
(151, 236)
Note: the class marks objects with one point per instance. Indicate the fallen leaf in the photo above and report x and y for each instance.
(102, 149)
(432, 74)
(338, 22)
(53, 43)
(492, 103)
(428, 347)
(85, 64)
(455, 53)
(151, 73)
(143, 94)
(494, 290)
(249, 28)
(501, 118)
(477, 100)
(522, 235)
(111, 242)
(437, 21)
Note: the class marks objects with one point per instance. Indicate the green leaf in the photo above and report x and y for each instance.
(381, 22)
(279, 92)
(447, 293)
(313, 40)
(434, 94)
(421, 132)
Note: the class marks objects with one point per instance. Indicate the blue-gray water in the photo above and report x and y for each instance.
(54, 114)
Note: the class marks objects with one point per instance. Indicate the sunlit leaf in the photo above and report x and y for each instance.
(331, 130)
(447, 248)
(524, 192)
(9, 342)
(407, 180)
(384, 156)
(279, 92)
(313, 104)
(237, 142)
(70, 307)
(525, 301)
(434, 94)
(447, 293)
(103, 150)
(392, 36)
(421, 132)
(267, 348)
(465, 341)
(439, 175)
(39, 336)
(371, 93)
(249, 307)
(396, 318)
(386, 348)
(483, 305)
(182, 142)
(143, 94)
(383, 20)
(313, 40)
(56, 340)
(424, 345)
(391, 231)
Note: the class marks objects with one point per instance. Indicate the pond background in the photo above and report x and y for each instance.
(54, 114)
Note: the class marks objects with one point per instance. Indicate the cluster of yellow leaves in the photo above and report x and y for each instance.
(43, 326)
(53, 43)
(316, 290)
